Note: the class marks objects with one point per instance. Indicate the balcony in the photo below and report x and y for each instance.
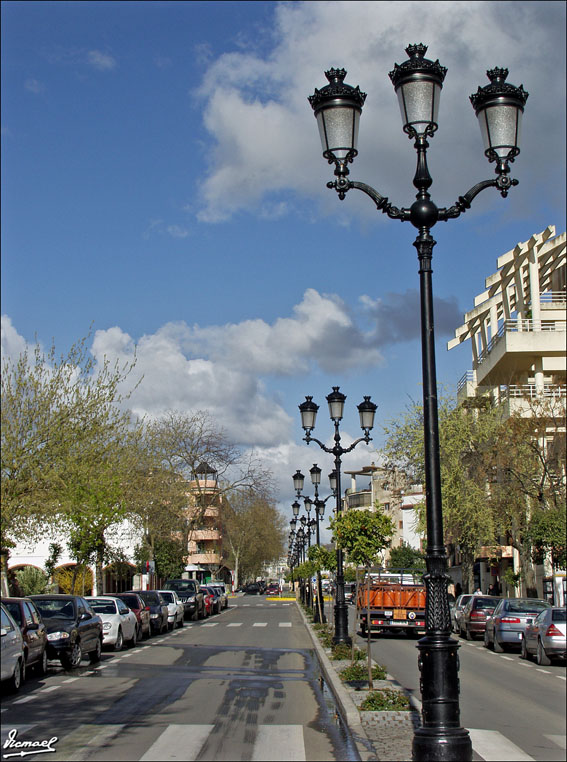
(199, 535)
(528, 401)
(359, 499)
(204, 558)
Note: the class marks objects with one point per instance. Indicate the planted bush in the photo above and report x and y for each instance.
(386, 700)
(342, 651)
(359, 672)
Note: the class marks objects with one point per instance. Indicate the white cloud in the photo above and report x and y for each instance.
(13, 344)
(176, 231)
(264, 135)
(101, 61)
(34, 86)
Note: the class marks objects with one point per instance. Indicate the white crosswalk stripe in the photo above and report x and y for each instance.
(235, 624)
(260, 624)
(285, 624)
(185, 742)
(492, 746)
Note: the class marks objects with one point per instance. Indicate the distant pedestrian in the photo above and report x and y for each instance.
(478, 591)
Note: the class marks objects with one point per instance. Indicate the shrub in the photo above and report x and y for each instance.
(342, 651)
(31, 581)
(386, 701)
(359, 672)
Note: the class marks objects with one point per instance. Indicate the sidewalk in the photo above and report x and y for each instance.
(380, 736)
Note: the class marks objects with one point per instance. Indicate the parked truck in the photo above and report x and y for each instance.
(397, 602)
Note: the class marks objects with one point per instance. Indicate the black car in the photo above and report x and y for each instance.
(34, 632)
(158, 609)
(190, 595)
(73, 629)
(252, 589)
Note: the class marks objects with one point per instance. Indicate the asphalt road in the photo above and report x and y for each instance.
(243, 685)
(513, 709)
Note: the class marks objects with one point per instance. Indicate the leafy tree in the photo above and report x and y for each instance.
(31, 581)
(406, 557)
(363, 535)
(168, 555)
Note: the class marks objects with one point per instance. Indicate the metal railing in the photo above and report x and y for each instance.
(359, 499)
(522, 326)
(553, 297)
(466, 378)
(530, 391)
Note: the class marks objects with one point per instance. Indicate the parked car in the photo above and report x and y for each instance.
(509, 620)
(190, 595)
(253, 588)
(209, 599)
(34, 632)
(545, 637)
(216, 602)
(119, 624)
(457, 612)
(350, 592)
(159, 612)
(73, 629)
(273, 589)
(142, 612)
(175, 609)
(220, 586)
(473, 620)
(13, 661)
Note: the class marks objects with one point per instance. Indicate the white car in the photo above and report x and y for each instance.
(175, 608)
(119, 623)
(13, 660)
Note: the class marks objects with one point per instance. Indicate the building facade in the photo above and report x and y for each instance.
(517, 330)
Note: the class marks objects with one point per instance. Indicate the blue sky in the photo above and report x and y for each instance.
(162, 180)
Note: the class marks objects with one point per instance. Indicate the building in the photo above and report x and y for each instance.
(390, 490)
(205, 558)
(517, 330)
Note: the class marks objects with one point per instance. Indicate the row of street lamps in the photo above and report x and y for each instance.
(337, 107)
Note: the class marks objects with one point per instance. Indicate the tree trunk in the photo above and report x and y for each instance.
(356, 617)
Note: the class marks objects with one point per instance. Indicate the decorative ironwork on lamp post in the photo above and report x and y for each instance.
(499, 107)
(367, 410)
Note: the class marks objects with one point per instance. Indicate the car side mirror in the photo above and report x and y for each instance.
(3, 632)
(85, 615)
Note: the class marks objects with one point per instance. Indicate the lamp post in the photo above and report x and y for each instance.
(298, 482)
(367, 409)
(499, 107)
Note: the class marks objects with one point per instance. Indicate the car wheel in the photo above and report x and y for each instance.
(541, 657)
(202, 613)
(95, 655)
(119, 641)
(139, 633)
(498, 647)
(18, 677)
(41, 666)
(134, 638)
(72, 659)
(181, 621)
(468, 634)
(524, 653)
(486, 640)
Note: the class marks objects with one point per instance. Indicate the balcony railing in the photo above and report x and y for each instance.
(530, 391)
(553, 297)
(522, 326)
(466, 378)
(359, 499)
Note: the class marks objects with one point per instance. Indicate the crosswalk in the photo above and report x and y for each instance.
(190, 742)
(238, 624)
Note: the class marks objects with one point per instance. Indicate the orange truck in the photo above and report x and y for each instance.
(397, 603)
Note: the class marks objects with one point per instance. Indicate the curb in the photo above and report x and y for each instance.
(349, 713)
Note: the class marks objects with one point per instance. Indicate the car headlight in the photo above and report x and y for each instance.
(191, 599)
(154, 616)
(106, 627)
(57, 635)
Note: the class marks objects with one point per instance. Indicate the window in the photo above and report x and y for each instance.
(6, 624)
(122, 608)
(400, 525)
(386, 506)
(28, 615)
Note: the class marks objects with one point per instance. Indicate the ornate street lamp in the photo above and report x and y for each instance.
(367, 409)
(499, 107)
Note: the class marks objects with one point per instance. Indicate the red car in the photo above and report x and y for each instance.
(209, 601)
(137, 605)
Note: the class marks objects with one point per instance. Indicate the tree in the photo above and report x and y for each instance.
(363, 535)
(253, 532)
(406, 557)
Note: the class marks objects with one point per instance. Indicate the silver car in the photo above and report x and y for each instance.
(505, 628)
(13, 659)
(457, 612)
(545, 637)
(223, 594)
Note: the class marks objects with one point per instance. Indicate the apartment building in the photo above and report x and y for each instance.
(517, 330)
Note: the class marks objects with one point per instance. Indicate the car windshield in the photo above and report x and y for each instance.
(182, 585)
(14, 609)
(168, 597)
(130, 601)
(103, 607)
(464, 600)
(56, 607)
(150, 598)
(486, 603)
(523, 606)
(558, 615)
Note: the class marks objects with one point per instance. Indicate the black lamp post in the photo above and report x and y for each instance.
(499, 107)
(367, 410)
(319, 505)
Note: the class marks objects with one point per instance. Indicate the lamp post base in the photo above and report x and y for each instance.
(341, 625)
(435, 745)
